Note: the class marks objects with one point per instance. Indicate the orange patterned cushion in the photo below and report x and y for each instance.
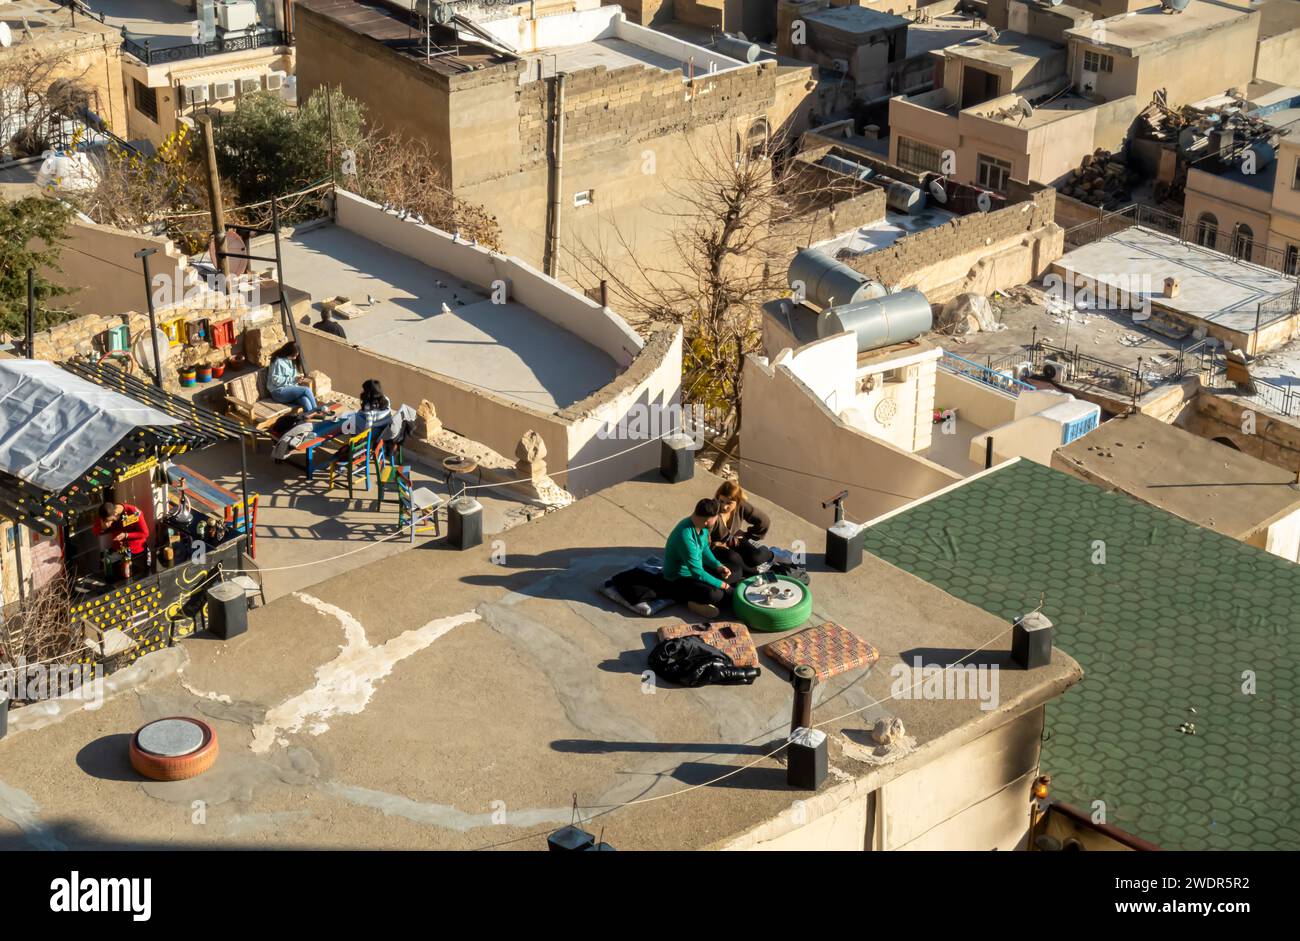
(829, 650)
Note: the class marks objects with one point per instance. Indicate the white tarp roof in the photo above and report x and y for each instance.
(54, 426)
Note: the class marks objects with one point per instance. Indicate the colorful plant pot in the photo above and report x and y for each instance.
(187, 377)
(204, 374)
(218, 370)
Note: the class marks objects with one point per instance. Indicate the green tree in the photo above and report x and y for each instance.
(31, 231)
(269, 149)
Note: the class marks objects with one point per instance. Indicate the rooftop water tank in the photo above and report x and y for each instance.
(901, 197)
(881, 321)
(735, 48)
(825, 281)
(847, 167)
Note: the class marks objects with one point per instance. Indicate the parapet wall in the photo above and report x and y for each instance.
(561, 305)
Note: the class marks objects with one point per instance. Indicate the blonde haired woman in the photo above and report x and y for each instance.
(733, 545)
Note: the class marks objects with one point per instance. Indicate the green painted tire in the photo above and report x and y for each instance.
(772, 620)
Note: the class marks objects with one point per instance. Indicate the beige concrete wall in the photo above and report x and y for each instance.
(649, 378)
(630, 136)
(975, 797)
(975, 402)
(1275, 439)
(1286, 198)
(98, 264)
(1277, 59)
(796, 452)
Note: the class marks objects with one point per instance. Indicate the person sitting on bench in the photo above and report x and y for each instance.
(691, 572)
(732, 545)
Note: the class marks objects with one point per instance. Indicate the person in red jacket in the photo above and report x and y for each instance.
(125, 524)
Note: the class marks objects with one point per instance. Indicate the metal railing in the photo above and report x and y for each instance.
(1283, 400)
(147, 51)
(958, 366)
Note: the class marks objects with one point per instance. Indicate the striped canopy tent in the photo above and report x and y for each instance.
(67, 432)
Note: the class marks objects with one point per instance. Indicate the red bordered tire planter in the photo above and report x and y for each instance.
(175, 767)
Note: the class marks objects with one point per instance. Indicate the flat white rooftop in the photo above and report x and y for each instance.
(611, 53)
(507, 349)
(1213, 286)
(882, 234)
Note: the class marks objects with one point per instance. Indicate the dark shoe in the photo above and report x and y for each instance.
(704, 610)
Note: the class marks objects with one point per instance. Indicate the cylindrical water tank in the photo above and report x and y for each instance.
(901, 197)
(741, 49)
(847, 167)
(881, 321)
(822, 280)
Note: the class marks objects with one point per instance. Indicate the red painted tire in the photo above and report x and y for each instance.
(175, 767)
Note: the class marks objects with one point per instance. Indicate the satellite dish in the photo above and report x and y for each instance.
(1025, 107)
(6, 36)
(937, 191)
(234, 245)
(143, 350)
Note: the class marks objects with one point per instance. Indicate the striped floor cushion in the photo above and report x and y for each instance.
(829, 650)
(731, 637)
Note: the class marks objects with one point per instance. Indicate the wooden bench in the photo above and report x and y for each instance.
(248, 400)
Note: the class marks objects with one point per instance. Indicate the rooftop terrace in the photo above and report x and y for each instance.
(508, 349)
(1168, 624)
(1142, 31)
(382, 709)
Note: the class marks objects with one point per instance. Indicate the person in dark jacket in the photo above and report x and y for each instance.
(734, 545)
(327, 324)
(691, 573)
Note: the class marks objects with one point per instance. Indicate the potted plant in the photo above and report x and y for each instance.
(187, 374)
(203, 373)
(218, 370)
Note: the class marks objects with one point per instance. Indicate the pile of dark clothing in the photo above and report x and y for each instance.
(691, 662)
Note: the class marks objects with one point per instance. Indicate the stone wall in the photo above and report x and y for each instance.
(902, 263)
(1274, 439)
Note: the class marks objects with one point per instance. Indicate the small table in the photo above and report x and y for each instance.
(459, 465)
(308, 447)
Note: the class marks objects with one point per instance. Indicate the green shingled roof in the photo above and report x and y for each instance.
(1169, 622)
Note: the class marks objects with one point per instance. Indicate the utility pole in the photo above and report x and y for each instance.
(214, 200)
(143, 254)
(31, 312)
(557, 177)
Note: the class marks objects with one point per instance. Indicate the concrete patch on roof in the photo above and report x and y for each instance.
(18, 807)
(345, 685)
(568, 669)
(444, 815)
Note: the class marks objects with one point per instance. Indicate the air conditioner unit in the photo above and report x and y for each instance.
(1054, 370)
(249, 85)
(274, 81)
(236, 15)
(840, 65)
(195, 94)
(1023, 371)
(221, 90)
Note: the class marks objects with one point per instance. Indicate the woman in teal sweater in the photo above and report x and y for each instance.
(691, 571)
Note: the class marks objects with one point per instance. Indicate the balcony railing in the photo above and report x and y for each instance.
(156, 50)
(952, 363)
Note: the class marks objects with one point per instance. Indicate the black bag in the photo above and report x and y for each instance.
(691, 662)
(790, 570)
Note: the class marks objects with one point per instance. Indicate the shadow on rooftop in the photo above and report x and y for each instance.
(956, 656)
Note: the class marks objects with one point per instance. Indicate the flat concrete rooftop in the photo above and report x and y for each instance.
(507, 349)
(941, 32)
(1139, 30)
(612, 53)
(1215, 287)
(1010, 50)
(401, 705)
(1202, 481)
